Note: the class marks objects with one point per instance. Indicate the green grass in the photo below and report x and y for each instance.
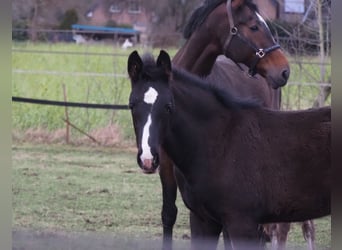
(86, 189)
(81, 189)
(101, 89)
(79, 88)
(92, 89)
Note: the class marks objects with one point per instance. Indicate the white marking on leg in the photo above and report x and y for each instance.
(310, 243)
(150, 97)
(274, 241)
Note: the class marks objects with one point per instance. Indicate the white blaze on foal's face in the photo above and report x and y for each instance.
(150, 97)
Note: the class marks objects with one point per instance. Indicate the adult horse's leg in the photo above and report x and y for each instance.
(278, 234)
(169, 192)
(282, 232)
(308, 229)
(276, 99)
(204, 234)
(271, 231)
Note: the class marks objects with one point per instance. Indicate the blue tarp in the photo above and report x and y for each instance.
(99, 29)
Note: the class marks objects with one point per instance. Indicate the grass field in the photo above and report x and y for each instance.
(101, 189)
(88, 77)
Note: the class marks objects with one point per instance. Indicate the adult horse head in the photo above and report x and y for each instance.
(233, 28)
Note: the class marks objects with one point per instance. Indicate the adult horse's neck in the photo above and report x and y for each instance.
(198, 55)
(200, 51)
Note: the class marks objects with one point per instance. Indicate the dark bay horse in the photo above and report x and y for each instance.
(228, 152)
(233, 28)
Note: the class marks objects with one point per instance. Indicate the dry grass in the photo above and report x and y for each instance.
(107, 136)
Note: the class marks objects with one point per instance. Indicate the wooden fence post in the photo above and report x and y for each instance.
(67, 136)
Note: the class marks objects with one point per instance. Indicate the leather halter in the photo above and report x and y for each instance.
(234, 31)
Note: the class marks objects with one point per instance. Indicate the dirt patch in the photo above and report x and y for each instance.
(107, 136)
(39, 135)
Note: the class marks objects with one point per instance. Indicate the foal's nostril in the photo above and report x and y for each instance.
(155, 161)
(285, 74)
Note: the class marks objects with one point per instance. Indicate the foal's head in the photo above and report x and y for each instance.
(151, 103)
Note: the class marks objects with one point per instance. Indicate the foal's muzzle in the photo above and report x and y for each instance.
(148, 165)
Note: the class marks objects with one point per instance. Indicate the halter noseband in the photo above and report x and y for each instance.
(234, 31)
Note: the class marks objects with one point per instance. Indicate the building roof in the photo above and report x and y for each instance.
(103, 29)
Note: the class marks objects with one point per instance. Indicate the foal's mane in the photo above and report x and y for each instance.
(150, 71)
(200, 14)
(188, 81)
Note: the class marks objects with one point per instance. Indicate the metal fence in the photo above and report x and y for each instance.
(309, 83)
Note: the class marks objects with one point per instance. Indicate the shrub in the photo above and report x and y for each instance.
(297, 38)
(19, 32)
(111, 23)
(70, 17)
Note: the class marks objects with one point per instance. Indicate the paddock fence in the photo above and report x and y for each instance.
(82, 89)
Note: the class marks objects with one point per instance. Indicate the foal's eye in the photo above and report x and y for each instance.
(130, 105)
(254, 28)
(169, 107)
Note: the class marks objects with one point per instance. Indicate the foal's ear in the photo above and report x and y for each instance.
(164, 61)
(134, 65)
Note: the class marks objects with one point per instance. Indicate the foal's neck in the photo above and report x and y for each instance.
(197, 56)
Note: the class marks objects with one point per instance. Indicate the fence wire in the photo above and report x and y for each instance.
(95, 74)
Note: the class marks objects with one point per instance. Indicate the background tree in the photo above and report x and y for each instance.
(169, 18)
(324, 47)
(70, 17)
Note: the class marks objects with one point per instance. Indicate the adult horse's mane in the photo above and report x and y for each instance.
(152, 72)
(200, 14)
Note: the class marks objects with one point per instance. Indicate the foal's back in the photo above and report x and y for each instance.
(292, 150)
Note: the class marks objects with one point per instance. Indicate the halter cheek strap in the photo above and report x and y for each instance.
(234, 31)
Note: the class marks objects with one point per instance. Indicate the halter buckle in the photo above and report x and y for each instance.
(260, 53)
(234, 30)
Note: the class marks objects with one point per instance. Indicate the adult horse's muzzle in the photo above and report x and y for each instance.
(278, 80)
(276, 74)
(148, 165)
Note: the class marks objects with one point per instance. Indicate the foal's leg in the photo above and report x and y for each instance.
(244, 234)
(169, 190)
(204, 234)
(308, 229)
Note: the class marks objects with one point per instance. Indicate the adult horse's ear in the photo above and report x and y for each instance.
(164, 61)
(237, 3)
(134, 65)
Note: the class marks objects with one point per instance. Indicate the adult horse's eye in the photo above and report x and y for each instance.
(254, 28)
(131, 105)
